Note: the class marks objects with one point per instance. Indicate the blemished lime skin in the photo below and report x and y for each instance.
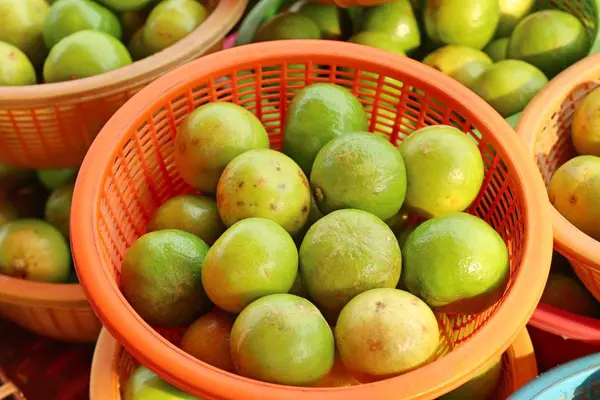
(22, 25)
(195, 214)
(70, 16)
(585, 128)
(481, 387)
(361, 171)
(469, 23)
(456, 263)
(509, 85)
(551, 40)
(58, 208)
(346, 253)
(212, 136)
(318, 113)
(144, 384)
(574, 191)
(282, 339)
(288, 26)
(253, 258)
(15, 67)
(170, 21)
(444, 170)
(267, 184)
(397, 19)
(84, 54)
(34, 250)
(496, 49)
(161, 277)
(462, 63)
(385, 332)
(569, 294)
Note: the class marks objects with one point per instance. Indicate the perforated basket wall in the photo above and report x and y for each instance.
(129, 172)
(53, 125)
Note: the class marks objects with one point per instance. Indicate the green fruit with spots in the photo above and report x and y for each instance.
(144, 384)
(282, 339)
(332, 20)
(58, 208)
(22, 25)
(161, 277)
(569, 294)
(511, 13)
(52, 179)
(15, 67)
(12, 177)
(195, 214)
(482, 387)
(585, 133)
(253, 258)
(125, 5)
(346, 253)
(397, 19)
(84, 54)
(456, 263)
(469, 23)
(462, 63)
(360, 171)
(170, 21)
(509, 85)
(496, 49)
(69, 16)
(318, 113)
(379, 40)
(288, 26)
(212, 136)
(385, 332)
(267, 184)
(7, 212)
(551, 40)
(34, 250)
(444, 170)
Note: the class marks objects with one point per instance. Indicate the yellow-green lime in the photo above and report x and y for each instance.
(585, 127)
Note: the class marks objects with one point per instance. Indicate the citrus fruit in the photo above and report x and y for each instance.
(482, 387)
(346, 253)
(317, 114)
(22, 25)
(161, 277)
(511, 12)
(585, 127)
(509, 85)
(52, 179)
(132, 21)
(253, 258)
(126, 5)
(84, 54)
(15, 68)
(462, 63)
(58, 208)
(385, 332)
(456, 263)
(144, 384)
(551, 40)
(462, 22)
(170, 21)
(286, 26)
(195, 214)
(567, 293)
(574, 191)
(496, 49)
(267, 184)
(137, 48)
(33, 249)
(361, 171)
(444, 170)
(331, 20)
(212, 136)
(207, 339)
(70, 16)
(282, 339)
(379, 40)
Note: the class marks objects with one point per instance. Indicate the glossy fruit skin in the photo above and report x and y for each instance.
(331, 20)
(551, 40)
(144, 384)
(469, 23)
(58, 208)
(170, 21)
(496, 49)
(511, 13)
(15, 67)
(125, 5)
(379, 40)
(282, 339)
(69, 16)
(462, 63)
(585, 128)
(52, 179)
(84, 54)
(22, 25)
(288, 26)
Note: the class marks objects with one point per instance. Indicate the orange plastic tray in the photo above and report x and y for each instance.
(129, 172)
(53, 125)
(545, 127)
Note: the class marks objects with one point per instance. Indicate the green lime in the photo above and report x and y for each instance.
(332, 20)
(125, 5)
(52, 179)
(379, 40)
(569, 294)
(511, 13)
(496, 49)
(288, 26)
(22, 25)
(462, 63)
(144, 384)
(58, 208)
(585, 126)
(15, 69)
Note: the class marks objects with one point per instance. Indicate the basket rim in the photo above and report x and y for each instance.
(566, 324)
(214, 28)
(148, 346)
(15, 290)
(568, 239)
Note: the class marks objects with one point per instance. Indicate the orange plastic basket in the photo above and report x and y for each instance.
(129, 172)
(58, 311)
(112, 366)
(53, 125)
(545, 127)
